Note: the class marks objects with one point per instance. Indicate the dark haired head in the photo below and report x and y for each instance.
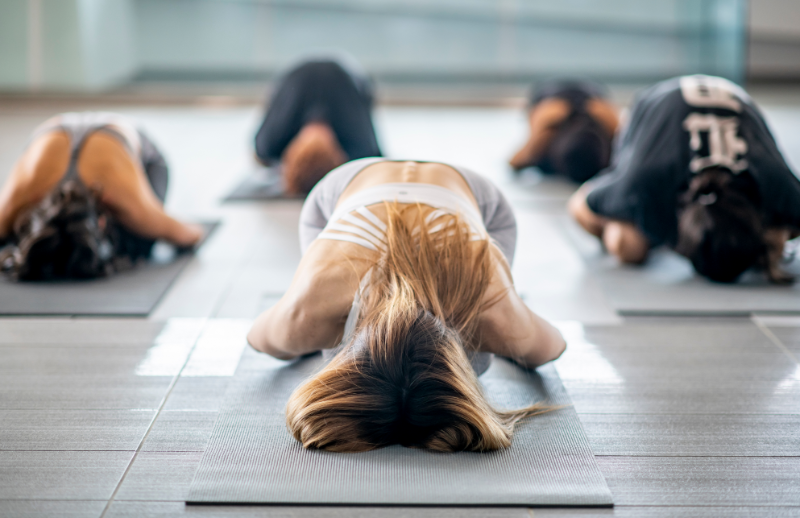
(64, 236)
(720, 226)
(580, 149)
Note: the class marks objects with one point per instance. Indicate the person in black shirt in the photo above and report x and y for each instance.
(319, 117)
(572, 124)
(696, 169)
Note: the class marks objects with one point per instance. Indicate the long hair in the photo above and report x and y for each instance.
(404, 377)
(720, 227)
(68, 235)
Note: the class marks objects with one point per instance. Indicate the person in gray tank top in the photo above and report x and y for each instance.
(406, 280)
(85, 200)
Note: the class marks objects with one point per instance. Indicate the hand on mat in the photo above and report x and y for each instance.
(189, 235)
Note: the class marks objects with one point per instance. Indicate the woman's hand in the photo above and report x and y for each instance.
(188, 234)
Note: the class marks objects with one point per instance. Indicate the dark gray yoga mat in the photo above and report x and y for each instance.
(131, 293)
(667, 285)
(262, 183)
(252, 459)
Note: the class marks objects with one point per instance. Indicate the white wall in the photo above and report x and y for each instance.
(610, 39)
(774, 48)
(66, 44)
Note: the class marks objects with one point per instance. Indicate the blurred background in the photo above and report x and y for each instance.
(417, 50)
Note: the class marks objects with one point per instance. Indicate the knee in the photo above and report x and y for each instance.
(625, 242)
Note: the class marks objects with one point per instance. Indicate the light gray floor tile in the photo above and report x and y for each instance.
(245, 296)
(51, 508)
(73, 429)
(713, 395)
(790, 337)
(720, 481)
(160, 476)
(187, 430)
(677, 367)
(82, 362)
(555, 284)
(70, 392)
(670, 511)
(198, 393)
(72, 377)
(83, 331)
(197, 292)
(60, 475)
(693, 435)
(120, 509)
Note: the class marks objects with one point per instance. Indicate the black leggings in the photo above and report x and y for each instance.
(319, 91)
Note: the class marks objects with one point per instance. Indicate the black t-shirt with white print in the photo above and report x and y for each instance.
(678, 128)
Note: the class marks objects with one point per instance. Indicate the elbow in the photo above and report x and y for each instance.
(263, 346)
(558, 349)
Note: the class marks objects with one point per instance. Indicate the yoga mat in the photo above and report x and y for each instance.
(252, 459)
(130, 293)
(262, 183)
(668, 285)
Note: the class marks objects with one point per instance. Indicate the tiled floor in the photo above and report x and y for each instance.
(109, 417)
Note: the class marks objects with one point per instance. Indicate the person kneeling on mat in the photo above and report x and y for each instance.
(572, 124)
(84, 200)
(696, 169)
(406, 267)
(319, 117)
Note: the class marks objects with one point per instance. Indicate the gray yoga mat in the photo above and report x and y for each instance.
(667, 285)
(262, 183)
(252, 459)
(130, 293)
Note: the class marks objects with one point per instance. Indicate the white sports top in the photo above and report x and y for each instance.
(369, 231)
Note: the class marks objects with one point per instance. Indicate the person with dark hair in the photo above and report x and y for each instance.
(84, 200)
(572, 124)
(319, 117)
(696, 169)
(406, 283)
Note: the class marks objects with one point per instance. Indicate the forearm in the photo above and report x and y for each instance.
(578, 207)
(511, 329)
(287, 333)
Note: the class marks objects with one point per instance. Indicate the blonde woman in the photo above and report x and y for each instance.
(406, 276)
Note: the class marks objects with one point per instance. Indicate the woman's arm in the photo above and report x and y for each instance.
(37, 171)
(312, 313)
(509, 328)
(125, 190)
(543, 120)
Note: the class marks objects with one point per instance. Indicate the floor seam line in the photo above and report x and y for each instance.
(775, 340)
(153, 422)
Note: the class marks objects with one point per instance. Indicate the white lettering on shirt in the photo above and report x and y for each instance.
(724, 145)
(712, 92)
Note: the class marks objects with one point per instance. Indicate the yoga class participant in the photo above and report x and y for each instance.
(572, 124)
(84, 200)
(406, 276)
(319, 117)
(697, 170)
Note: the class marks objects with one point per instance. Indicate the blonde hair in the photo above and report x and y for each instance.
(404, 377)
